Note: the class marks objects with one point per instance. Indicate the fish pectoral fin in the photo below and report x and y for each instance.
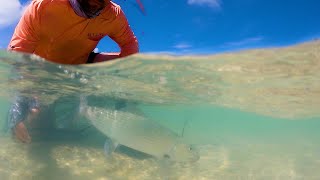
(109, 146)
(165, 167)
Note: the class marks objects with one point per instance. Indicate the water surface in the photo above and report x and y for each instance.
(252, 114)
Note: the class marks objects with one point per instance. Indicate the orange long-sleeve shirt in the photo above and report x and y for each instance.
(52, 30)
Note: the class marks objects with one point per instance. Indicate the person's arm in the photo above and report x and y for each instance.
(26, 34)
(23, 110)
(124, 37)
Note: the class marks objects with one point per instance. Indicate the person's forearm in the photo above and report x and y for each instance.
(101, 57)
(21, 46)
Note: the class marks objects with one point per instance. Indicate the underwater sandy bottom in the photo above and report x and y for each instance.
(79, 160)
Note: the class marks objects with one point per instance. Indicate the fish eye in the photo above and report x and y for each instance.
(190, 148)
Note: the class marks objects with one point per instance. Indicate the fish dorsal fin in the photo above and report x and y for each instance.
(184, 126)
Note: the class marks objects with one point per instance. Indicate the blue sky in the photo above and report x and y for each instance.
(203, 26)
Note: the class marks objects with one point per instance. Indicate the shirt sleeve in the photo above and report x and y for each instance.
(26, 34)
(124, 36)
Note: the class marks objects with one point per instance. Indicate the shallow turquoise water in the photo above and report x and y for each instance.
(207, 125)
(251, 115)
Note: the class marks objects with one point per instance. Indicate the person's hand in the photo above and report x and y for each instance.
(33, 113)
(21, 132)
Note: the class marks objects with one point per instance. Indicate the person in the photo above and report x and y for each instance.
(66, 32)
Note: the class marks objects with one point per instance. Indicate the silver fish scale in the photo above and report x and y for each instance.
(133, 130)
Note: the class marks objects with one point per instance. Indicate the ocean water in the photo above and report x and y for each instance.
(251, 114)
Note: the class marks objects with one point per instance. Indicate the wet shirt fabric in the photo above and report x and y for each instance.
(20, 109)
(52, 30)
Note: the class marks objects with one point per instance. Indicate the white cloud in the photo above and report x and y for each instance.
(182, 46)
(211, 3)
(245, 41)
(96, 50)
(10, 12)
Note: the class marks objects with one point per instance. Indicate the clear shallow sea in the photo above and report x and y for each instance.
(252, 115)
